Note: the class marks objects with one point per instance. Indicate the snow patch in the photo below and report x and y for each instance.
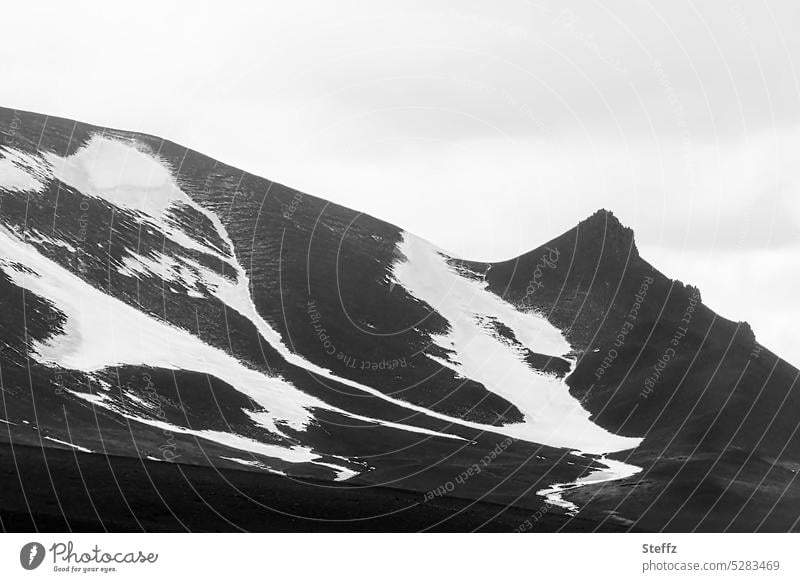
(36, 237)
(119, 173)
(290, 454)
(253, 463)
(21, 172)
(116, 171)
(102, 331)
(147, 404)
(551, 415)
(74, 446)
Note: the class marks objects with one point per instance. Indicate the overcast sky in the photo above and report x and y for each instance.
(486, 127)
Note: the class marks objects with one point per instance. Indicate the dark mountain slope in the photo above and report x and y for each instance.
(392, 396)
(655, 361)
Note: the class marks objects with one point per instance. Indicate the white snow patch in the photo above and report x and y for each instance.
(291, 454)
(21, 172)
(102, 331)
(74, 446)
(181, 270)
(94, 398)
(34, 236)
(253, 463)
(141, 401)
(135, 264)
(119, 173)
(551, 415)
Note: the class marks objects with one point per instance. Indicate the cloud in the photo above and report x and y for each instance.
(676, 194)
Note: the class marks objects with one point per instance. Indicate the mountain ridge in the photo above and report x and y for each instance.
(388, 360)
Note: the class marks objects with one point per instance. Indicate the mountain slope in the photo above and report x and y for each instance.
(161, 305)
(712, 404)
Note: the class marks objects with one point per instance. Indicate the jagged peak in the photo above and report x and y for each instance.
(603, 226)
(605, 218)
(601, 229)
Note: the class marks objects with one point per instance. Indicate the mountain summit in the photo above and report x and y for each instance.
(169, 313)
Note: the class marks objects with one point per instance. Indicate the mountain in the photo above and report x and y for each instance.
(184, 345)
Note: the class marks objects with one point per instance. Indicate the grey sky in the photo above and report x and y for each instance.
(487, 128)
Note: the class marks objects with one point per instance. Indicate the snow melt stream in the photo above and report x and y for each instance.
(614, 470)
